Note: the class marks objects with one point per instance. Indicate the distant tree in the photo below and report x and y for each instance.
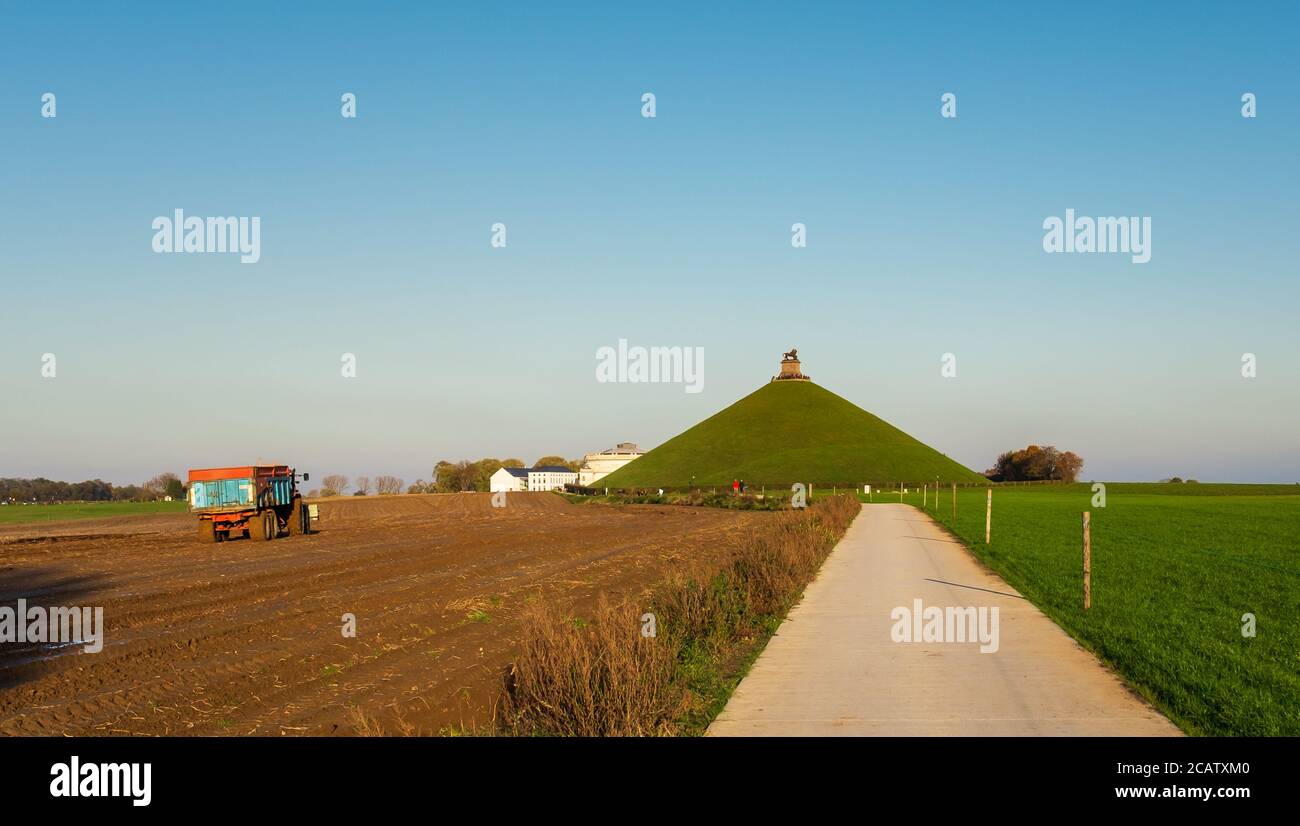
(483, 470)
(558, 460)
(93, 490)
(1035, 463)
(418, 486)
(175, 489)
(158, 485)
(362, 484)
(452, 477)
(388, 485)
(1068, 465)
(444, 475)
(130, 493)
(334, 484)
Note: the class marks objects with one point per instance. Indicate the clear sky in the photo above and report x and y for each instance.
(924, 233)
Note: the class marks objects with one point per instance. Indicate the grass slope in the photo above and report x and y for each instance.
(1174, 569)
(788, 431)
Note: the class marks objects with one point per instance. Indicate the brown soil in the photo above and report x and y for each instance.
(245, 637)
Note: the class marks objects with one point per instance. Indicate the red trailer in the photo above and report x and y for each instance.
(257, 501)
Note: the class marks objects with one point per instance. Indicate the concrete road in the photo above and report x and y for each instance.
(834, 667)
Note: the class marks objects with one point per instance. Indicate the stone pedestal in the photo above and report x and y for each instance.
(790, 371)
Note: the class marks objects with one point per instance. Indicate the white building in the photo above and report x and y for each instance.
(508, 479)
(547, 477)
(599, 465)
(550, 477)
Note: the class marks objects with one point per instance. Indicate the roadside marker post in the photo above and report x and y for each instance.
(923, 494)
(1087, 560)
(988, 518)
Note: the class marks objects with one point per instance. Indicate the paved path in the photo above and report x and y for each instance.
(833, 668)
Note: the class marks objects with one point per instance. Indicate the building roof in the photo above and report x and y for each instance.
(522, 472)
(622, 448)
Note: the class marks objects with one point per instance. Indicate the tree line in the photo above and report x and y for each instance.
(92, 490)
(335, 484)
(453, 477)
(448, 477)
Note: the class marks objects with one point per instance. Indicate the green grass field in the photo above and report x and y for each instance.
(1174, 569)
(16, 514)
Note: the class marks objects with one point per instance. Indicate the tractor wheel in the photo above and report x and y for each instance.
(257, 528)
(207, 531)
(272, 524)
(299, 518)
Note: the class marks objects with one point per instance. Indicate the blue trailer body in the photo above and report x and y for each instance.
(222, 493)
(280, 490)
(241, 493)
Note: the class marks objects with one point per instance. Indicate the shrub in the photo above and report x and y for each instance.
(590, 679)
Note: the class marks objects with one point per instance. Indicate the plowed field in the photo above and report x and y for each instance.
(245, 637)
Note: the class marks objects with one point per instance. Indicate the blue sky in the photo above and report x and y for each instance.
(924, 233)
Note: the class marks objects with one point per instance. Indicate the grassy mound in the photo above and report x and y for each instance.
(788, 431)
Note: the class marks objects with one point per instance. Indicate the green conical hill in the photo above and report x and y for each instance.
(790, 431)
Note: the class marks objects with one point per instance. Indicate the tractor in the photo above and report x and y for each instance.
(257, 501)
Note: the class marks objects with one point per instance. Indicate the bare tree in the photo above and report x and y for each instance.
(388, 485)
(363, 485)
(158, 485)
(333, 484)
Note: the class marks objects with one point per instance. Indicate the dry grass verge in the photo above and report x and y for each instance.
(605, 677)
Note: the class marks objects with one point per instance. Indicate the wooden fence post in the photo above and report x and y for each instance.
(988, 518)
(1087, 560)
